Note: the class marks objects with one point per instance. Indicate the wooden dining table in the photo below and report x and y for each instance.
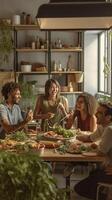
(52, 155)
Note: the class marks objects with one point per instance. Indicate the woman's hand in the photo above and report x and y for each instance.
(49, 115)
(62, 108)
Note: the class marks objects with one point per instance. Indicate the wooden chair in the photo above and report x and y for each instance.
(108, 191)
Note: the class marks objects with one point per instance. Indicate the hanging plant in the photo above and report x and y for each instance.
(6, 42)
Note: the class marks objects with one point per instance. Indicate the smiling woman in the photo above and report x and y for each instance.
(50, 106)
(84, 112)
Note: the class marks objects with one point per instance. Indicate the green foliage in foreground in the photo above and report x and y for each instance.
(26, 177)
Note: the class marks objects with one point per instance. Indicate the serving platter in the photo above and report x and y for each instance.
(53, 136)
(50, 144)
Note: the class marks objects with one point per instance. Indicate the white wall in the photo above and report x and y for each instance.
(90, 62)
(10, 7)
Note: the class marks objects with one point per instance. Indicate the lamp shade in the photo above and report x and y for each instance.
(75, 15)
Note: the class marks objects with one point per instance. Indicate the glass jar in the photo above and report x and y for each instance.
(23, 18)
(28, 19)
(70, 87)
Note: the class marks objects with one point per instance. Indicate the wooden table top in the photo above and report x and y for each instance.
(51, 155)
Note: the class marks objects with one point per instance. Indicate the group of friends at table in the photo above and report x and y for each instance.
(87, 115)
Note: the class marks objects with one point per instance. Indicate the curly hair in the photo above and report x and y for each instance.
(8, 88)
(108, 108)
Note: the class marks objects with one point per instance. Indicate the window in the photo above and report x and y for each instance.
(104, 63)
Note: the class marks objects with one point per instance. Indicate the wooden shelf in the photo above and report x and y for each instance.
(74, 92)
(66, 72)
(36, 72)
(26, 27)
(75, 49)
(31, 50)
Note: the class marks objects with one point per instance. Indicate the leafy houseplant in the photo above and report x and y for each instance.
(26, 177)
(28, 96)
(6, 43)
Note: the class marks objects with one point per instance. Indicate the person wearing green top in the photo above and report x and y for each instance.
(51, 106)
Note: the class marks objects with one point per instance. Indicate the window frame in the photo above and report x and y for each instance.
(107, 90)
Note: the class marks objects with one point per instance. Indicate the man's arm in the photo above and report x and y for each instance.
(105, 144)
(84, 138)
(11, 128)
(92, 137)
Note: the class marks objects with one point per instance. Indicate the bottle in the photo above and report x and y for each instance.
(54, 66)
(76, 123)
(33, 45)
(70, 87)
(60, 67)
(69, 63)
(28, 19)
(37, 43)
(23, 18)
(59, 44)
(46, 125)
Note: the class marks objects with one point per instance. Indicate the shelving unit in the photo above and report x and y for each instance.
(70, 46)
(23, 49)
(73, 47)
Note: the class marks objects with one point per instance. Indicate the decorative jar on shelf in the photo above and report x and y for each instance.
(79, 77)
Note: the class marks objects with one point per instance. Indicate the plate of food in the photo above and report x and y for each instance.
(51, 135)
(74, 148)
(59, 133)
(50, 144)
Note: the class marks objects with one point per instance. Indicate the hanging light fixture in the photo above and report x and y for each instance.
(83, 15)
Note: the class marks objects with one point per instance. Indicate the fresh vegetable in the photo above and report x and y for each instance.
(18, 136)
(64, 132)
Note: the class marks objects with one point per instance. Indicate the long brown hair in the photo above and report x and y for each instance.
(48, 85)
(90, 102)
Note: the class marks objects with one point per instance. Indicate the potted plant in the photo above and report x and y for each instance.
(27, 177)
(6, 42)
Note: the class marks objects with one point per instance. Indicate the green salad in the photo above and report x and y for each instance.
(18, 136)
(64, 132)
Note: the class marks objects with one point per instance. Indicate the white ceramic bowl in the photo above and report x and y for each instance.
(26, 68)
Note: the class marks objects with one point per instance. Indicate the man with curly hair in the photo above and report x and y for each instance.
(11, 118)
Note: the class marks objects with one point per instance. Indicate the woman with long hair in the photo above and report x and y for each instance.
(83, 116)
(51, 106)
